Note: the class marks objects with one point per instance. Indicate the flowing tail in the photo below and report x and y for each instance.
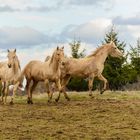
(20, 79)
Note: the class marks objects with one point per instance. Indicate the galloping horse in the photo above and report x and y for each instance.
(36, 71)
(89, 67)
(9, 73)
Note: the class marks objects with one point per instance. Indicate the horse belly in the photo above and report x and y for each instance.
(38, 76)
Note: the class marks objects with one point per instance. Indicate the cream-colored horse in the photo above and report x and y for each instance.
(48, 71)
(9, 73)
(89, 67)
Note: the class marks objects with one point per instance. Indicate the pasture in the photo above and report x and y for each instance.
(113, 115)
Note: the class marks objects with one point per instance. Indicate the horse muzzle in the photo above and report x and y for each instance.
(9, 65)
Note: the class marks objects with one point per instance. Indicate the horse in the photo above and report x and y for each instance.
(89, 67)
(48, 71)
(9, 73)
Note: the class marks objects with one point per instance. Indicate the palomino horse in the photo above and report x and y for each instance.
(48, 71)
(89, 67)
(9, 73)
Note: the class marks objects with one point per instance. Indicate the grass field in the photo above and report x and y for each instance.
(113, 116)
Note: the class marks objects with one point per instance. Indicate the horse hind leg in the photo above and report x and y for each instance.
(102, 78)
(14, 93)
(32, 89)
(28, 90)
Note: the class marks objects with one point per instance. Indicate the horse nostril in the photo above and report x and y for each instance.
(63, 63)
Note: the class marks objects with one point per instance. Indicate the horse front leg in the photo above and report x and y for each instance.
(64, 82)
(6, 92)
(3, 92)
(58, 84)
(90, 84)
(102, 78)
(48, 90)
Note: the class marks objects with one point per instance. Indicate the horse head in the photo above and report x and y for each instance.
(11, 57)
(114, 51)
(58, 54)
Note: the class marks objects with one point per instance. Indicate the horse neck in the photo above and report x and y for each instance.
(54, 65)
(16, 67)
(102, 55)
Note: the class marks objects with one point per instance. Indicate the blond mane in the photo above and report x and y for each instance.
(52, 57)
(97, 51)
(16, 65)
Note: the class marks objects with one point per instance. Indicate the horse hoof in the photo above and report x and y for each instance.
(11, 103)
(68, 99)
(2, 103)
(56, 100)
(49, 101)
(90, 95)
(102, 91)
(31, 102)
(28, 102)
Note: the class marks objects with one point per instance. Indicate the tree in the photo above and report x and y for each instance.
(135, 57)
(75, 48)
(113, 70)
(77, 83)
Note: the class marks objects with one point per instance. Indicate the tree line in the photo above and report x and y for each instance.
(119, 72)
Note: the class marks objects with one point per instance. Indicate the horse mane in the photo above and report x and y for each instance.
(96, 51)
(47, 58)
(16, 66)
(52, 57)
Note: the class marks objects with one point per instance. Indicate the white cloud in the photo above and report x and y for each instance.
(89, 32)
(21, 37)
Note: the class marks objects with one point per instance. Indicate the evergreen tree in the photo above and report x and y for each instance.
(113, 70)
(135, 57)
(77, 83)
(75, 48)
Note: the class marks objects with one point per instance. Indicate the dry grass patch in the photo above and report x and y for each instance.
(107, 116)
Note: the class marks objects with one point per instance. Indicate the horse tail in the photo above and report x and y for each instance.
(21, 78)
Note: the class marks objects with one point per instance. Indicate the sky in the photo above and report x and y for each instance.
(36, 27)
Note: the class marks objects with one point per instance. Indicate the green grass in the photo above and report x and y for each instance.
(113, 115)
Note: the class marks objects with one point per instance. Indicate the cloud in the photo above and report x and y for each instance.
(40, 8)
(36, 6)
(135, 20)
(22, 37)
(84, 2)
(89, 32)
(7, 8)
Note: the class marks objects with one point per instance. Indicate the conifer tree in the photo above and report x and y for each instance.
(77, 83)
(114, 66)
(135, 57)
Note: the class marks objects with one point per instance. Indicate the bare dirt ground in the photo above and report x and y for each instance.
(113, 116)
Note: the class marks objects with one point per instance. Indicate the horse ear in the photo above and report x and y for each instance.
(15, 50)
(8, 50)
(57, 47)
